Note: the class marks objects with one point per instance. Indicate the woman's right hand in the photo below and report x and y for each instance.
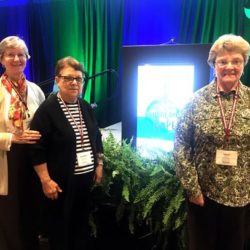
(199, 200)
(27, 137)
(51, 189)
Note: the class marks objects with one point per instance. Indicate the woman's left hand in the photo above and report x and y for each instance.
(98, 173)
(27, 137)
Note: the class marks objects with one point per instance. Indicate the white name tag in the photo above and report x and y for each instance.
(226, 157)
(84, 159)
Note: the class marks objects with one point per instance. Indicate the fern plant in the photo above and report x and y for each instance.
(143, 192)
(162, 203)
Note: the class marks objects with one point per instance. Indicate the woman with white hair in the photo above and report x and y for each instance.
(212, 151)
(19, 99)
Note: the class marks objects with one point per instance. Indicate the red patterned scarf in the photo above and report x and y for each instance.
(18, 101)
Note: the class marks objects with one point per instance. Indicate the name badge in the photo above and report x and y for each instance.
(226, 157)
(84, 158)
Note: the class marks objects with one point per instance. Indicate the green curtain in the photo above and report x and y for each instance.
(203, 21)
(91, 31)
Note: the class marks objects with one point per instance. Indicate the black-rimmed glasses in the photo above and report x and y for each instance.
(70, 79)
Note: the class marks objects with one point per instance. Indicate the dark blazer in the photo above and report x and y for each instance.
(57, 145)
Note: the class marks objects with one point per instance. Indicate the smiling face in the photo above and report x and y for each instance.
(69, 90)
(14, 61)
(228, 69)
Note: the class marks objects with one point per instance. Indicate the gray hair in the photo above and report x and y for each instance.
(228, 43)
(13, 42)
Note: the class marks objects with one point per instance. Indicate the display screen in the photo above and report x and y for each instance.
(162, 91)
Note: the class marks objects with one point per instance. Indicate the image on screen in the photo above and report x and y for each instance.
(162, 91)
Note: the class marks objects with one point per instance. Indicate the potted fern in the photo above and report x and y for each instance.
(144, 195)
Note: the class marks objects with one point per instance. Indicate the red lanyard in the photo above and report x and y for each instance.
(80, 129)
(227, 127)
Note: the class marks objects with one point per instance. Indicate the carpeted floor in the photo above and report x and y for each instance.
(44, 243)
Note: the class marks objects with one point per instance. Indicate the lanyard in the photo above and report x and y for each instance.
(227, 127)
(80, 129)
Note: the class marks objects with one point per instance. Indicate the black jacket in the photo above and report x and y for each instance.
(57, 145)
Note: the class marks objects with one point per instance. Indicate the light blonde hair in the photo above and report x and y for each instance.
(13, 42)
(229, 43)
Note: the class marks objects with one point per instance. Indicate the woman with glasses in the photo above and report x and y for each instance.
(19, 99)
(212, 151)
(67, 158)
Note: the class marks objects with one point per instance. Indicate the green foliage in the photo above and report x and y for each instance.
(145, 193)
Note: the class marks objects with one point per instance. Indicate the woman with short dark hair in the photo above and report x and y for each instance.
(67, 158)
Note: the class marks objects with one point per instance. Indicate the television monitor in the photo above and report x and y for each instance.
(157, 82)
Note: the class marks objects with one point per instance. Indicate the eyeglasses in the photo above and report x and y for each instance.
(234, 63)
(11, 56)
(70, 79)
